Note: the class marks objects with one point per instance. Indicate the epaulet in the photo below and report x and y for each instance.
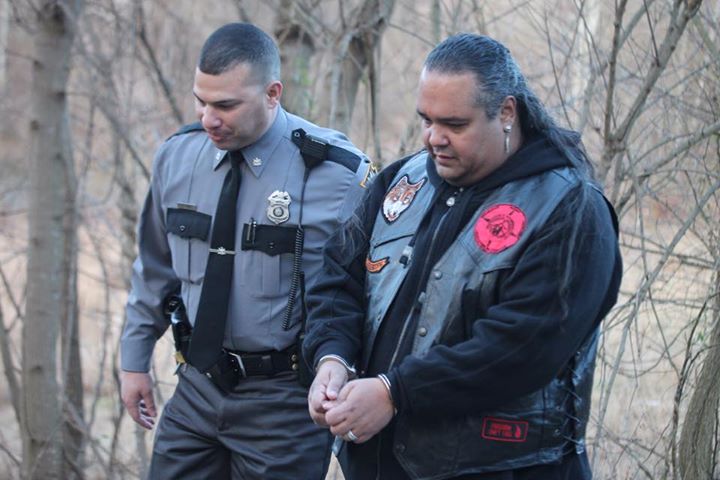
(192, 127)
(315, 150)
(346, 158)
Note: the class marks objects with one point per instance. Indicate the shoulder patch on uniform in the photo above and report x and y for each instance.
(375, 266)
(400, 196)
(192, 127)
(499, 227)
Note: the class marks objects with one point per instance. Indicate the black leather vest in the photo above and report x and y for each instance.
(537, 428)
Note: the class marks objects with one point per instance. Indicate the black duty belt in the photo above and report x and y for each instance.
(264, 363)
(233, 366)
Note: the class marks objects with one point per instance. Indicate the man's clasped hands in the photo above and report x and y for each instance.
(355, 410)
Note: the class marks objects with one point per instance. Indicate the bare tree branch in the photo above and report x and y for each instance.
(150, 51)
(9, 368)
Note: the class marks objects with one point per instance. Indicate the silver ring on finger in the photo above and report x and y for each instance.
(350, 436)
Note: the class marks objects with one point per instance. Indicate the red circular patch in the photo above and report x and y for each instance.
(499, 227)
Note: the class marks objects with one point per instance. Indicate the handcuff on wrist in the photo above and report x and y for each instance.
(351, 373)
(386, 383)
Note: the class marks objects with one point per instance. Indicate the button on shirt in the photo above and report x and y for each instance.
(175, 225)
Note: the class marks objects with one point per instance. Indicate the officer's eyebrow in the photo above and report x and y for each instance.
(220, 103)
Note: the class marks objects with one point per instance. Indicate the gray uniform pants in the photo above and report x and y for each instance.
(262, 430)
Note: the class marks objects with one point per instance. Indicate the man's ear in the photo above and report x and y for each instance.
(508, 110)
(273, 92)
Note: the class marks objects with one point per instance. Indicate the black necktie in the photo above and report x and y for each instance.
(209, 330)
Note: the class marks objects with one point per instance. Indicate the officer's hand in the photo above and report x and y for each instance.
(136, 391)
(330, 378)
(364, 406)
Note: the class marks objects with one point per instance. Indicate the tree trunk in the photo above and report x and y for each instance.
(297, 48)
(698, 441)
(49, 182)
(355, 51)
(73, 411)
(697, 447)
(436, 21)
(4, 25)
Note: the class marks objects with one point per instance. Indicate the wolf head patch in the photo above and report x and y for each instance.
(399, 197)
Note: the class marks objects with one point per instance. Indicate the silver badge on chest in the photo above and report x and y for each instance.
(278, 210)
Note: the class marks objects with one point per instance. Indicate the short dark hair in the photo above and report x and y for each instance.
(237, 43)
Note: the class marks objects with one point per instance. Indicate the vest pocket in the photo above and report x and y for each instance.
(387, 250)
(428, 447)
(521, 433)
(386, 239)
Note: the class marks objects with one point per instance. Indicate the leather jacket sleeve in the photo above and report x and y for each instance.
(336, 302)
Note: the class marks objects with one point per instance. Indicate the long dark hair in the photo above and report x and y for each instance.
(498, 76)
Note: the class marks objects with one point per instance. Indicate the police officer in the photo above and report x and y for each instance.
(469, 292)
(245, 414)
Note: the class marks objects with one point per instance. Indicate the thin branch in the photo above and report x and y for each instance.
(555, 73)
(9, 367)
(150, 51)
(8, 289)
(602, 64)
(651, 28)
(705, 132)
(639, 297)
(609, 117)
(10, 455)
(677, 27)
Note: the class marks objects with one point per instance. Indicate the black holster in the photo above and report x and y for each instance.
(181, 328)
(225, 373)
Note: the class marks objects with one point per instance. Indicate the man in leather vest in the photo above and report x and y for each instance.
(467, 292)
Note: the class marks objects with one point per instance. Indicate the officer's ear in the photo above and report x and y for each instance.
(273, 92)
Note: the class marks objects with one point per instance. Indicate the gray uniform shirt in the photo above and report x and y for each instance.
(188, 173)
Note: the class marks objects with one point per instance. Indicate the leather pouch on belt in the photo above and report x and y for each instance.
(225, 374)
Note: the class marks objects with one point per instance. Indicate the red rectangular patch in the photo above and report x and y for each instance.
(501, 430)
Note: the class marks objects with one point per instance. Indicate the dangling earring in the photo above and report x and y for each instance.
(507, 129)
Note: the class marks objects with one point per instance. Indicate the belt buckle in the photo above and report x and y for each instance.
(243, 373)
